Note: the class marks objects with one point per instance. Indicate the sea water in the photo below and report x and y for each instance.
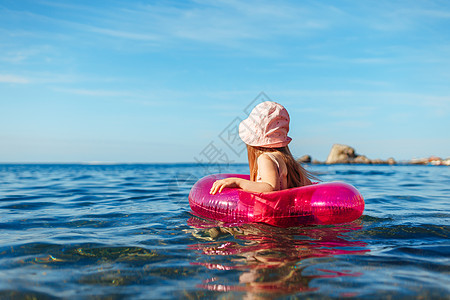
(125, 231)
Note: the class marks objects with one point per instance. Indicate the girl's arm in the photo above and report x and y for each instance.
(269, 179)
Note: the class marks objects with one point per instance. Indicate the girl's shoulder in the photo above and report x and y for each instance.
(272, 157)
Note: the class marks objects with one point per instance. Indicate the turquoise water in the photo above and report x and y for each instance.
(125, 231)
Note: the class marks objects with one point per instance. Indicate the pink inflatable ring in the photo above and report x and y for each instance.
(322, 203)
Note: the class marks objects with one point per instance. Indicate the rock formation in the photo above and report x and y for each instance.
(343, 154)
(432, 160)
(305, 159)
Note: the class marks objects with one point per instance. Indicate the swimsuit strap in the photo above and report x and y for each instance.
(272, 157)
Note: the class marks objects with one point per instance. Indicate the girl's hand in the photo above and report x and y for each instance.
(219, 185)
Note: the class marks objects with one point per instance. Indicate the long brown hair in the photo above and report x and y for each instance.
(296, 175)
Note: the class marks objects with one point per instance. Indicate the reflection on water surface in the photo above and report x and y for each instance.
(271, 261)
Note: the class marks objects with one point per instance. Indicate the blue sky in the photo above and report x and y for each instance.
(159, 81)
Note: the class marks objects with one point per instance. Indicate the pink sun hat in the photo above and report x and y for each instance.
(266, 126)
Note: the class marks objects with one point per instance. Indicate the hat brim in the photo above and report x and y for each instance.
(255, 138)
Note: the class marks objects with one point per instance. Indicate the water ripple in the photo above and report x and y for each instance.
(125, 231)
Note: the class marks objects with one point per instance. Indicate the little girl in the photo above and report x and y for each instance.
(272, 166)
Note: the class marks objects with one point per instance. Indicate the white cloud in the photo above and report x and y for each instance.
(225, 23)
(5, 78)
(152, 98)
(352, 60)
(123, 34)
(96, 93)
(429, 13)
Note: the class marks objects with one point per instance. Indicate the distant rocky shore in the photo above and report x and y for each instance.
(343, 154)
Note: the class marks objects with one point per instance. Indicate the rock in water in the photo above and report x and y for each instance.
(341, 154)
(362, 159)
(306, 159)
(391, 161)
